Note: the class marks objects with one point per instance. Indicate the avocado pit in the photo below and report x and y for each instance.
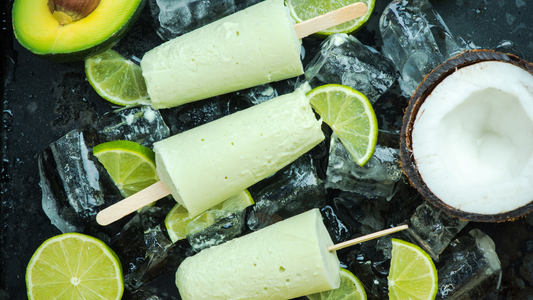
(467, 137)
(68, 11)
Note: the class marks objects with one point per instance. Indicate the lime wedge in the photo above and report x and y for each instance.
(178, 218)
(176, 222)
(130, 165)
(74, 266)
(116, 79)
(302, 10)
(412, 273)
(350, 289)
(350, 115)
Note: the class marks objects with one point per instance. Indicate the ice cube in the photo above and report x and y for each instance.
(214, 227)
(433, 230)
(362, 214)
(148, 293)
(511, 47)
(174, 18)
(262, 93)
(143, 125)
(144, 247)
(471, 268)
(371, 266)
(158, 249)
(466, 42)
(369, 272)
(416, 39)
(292, 190)
(242, 4)
(365, 215)
(79, 172)
(75, 186)
(191, 115)
(378, 177)
(344, 60)
(404, 202)
(338, 231)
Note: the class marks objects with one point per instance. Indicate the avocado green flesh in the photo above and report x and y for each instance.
(39, 32)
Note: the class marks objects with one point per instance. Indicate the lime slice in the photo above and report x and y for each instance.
(130, 165)
(412, 273)
(236, 203)
(116, 79)
(350, 115)
(350, 289)
(302, 10)
(176, 222)
(178, 218)
(74, 266)
(220, 211)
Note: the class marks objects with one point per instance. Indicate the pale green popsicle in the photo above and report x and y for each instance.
(248, 48)
(206, 165)
(285, 260)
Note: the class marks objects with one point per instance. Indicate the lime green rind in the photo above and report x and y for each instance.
(360, 288)
(236, 203)
(325, 34)
(350, 288)
(122, 145)
(331, 85)
(82, 54)
(348, 30)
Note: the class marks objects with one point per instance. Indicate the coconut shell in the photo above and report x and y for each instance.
(425, 88)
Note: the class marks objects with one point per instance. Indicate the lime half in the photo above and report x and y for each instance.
(350, 115)
(178, 218)
(116, 79)
(130, 165)
(302, 10)
(74, 266)
(350, 289)
(412, 273)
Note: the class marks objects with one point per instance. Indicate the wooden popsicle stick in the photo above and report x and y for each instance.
(131, 204)
(367, 237)
(330, 19)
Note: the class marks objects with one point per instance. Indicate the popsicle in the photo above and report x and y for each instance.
(285, 260)
(289, 259)
(204, 166)
(251, 47)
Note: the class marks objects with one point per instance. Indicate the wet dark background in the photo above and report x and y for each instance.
(42, 101)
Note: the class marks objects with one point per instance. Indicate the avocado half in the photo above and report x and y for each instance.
(467, 137)
(41, 33)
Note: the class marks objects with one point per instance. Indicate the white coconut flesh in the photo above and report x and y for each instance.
(472, 138)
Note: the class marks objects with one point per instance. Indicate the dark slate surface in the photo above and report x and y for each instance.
(43, 100)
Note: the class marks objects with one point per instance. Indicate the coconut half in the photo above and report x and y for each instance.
(467, 137)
